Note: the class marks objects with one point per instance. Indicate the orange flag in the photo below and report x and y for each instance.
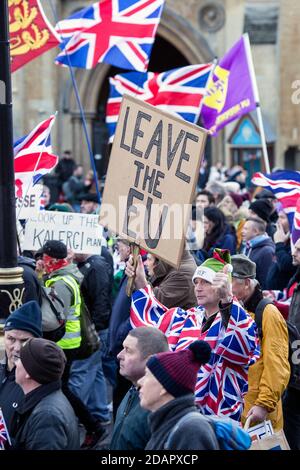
(30, 32)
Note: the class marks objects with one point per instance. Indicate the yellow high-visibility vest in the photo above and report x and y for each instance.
(72, 336)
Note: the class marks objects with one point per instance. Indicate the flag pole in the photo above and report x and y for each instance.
(214, 64)
(211, 74)
(11, 281)
(256, 97)
(81, 111)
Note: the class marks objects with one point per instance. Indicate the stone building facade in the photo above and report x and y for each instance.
(190, 32)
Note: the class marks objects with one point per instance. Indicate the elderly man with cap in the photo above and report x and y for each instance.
(219, 320)
(65, 277)
(89, 204)
(45, 420)
(269, 377)
(21, 325)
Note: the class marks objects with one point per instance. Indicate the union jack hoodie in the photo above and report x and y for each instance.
(222, 382)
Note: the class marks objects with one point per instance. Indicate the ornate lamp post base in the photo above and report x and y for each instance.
(11, 290)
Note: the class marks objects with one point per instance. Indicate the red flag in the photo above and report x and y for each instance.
(30, 32)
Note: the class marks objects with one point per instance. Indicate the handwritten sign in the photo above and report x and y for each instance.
(80, 232)
(151, 179)
(30, 204)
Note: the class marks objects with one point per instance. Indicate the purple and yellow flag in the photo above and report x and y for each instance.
(230, 91)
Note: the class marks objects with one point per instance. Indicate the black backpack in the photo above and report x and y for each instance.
(90, 341)
(293, 338)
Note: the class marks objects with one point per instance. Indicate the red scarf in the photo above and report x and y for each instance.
(53, 264)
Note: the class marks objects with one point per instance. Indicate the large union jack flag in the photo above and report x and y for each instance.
(33, 156)
(223, 382)
(178, 91)
(4, 436)
(119, 32)
(285, 185)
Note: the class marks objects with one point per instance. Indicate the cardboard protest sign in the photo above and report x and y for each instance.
(29, 204)
(151, 179)
(80, 232)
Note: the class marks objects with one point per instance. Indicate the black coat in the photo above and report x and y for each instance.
(64, 169)
(45, 421)
(294, 310)
(96, 288)
(282, 269)
(262, 254)
(11, 395)
(33, 289)
(119, 326)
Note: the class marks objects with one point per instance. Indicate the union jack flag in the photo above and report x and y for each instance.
(285, 185)
(4, 436)
(296, 224)
(178, 91)
(223, 382)
(33, 156)
(119, 32)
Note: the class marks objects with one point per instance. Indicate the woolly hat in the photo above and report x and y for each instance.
(61, 207)
(89, 197)
(211, 266)
(238, 199)
(43, 360)
(262, 208)
(177, 371)
(243, 267)
(55, 249)
(26, 318)
(265, 194)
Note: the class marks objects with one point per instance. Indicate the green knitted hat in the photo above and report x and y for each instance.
(211, 266)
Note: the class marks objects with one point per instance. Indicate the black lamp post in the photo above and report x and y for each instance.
(11, 281)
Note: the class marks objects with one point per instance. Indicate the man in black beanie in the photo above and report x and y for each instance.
(22, 324)
(167, 389)
(265, 210)
(45, 420)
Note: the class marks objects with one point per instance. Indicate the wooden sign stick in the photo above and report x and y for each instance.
(135, 250)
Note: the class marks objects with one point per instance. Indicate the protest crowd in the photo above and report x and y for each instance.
(118, 345)
(224, 281)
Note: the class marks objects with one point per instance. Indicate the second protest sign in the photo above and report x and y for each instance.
(79, 232)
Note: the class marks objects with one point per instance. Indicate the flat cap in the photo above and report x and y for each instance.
(243, 267)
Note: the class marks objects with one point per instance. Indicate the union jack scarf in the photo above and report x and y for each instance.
(223, 382)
